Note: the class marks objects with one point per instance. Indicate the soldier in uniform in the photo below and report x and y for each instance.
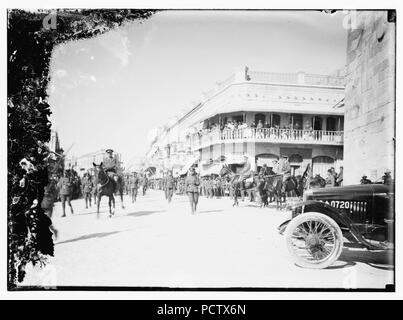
(49, 198)
(134, 186)
(65, 187)
(192, 184)
(387, 178)
(144, 183)
(284, 168)
(245, 171)
(169, 186)
(264, 171)
(87, 185)
(110, 163)
(276, 168)
(339, 180)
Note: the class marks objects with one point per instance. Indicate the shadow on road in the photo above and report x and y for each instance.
(140, 213)
(210, 211)
(90, 236)
(382, 259)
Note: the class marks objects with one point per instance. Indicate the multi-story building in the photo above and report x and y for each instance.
(300, 115)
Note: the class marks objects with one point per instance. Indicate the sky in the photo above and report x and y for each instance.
(112, 91)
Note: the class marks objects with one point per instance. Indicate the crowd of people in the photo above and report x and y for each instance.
(70, 186)
(234, 129)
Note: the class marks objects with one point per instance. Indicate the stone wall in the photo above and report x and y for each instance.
(370, 97)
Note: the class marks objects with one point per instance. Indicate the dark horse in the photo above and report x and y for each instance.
(236, 184)
(107, 186)
(293, 187)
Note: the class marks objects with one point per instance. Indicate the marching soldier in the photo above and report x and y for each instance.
(169, 185)
(65, 187)
(134, 186)
(87, 185)
(192, 183)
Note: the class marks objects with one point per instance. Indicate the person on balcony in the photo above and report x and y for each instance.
(260, 129)
(266, 128)
(253, 129)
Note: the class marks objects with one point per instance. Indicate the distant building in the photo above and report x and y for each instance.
(302, 116)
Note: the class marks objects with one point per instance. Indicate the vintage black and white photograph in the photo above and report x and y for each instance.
(201, 149)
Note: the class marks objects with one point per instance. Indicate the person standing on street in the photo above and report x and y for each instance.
(134, 186)
(49, 198)
(169, 186)
(339, 179)
(330, 180)
(192, 183)
(87, 189)
(144, 183)
(65, 188)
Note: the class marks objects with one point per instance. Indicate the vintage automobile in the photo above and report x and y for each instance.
(326, 217)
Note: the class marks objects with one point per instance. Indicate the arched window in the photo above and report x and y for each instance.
(321, 164)
(331, 124)
(260, 117)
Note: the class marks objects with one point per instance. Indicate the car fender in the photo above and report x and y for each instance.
(281, 228)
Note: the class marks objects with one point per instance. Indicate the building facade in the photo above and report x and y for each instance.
(370, 96)
(300, 115)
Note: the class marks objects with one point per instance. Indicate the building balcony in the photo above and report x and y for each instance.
(271, 135)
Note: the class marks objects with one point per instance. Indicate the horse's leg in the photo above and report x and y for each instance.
(110, 206)
(98, 202)
(113, 203)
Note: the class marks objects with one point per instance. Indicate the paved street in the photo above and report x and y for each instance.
(151, 243)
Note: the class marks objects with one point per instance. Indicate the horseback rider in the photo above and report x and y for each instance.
(246, 170)
(264, 171)
(110, 164)
(276, 168)
(284, 168)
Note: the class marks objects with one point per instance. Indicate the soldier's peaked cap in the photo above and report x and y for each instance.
(108, 150)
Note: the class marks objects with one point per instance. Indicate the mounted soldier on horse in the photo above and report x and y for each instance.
(108, 180)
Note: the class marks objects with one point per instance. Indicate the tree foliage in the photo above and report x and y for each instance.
(30, 47)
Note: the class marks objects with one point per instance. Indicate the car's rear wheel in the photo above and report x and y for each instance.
(314, 240)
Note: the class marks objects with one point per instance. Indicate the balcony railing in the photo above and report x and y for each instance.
(268, 135)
